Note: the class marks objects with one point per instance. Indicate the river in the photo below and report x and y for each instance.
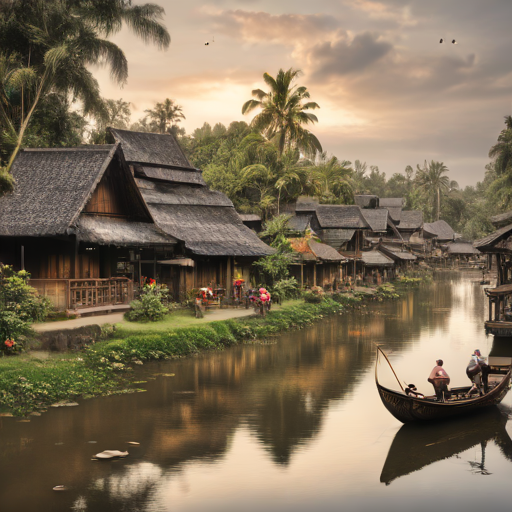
(295, 424)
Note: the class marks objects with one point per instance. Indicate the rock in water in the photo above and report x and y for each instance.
(110, 454)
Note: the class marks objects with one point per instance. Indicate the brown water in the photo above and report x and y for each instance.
(295, 425)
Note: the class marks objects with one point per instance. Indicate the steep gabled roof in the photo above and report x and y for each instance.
(394, 205)
(337, 237)
(410, 220)
(366, 201)
(376, 259)
(377, 219)
(173, 175)
(204, 219)
(499, 241)
(52, 187)
(306, 204)
(154, 149)
(503, 219)
(340, 216)
(325, 252)
(299, 222)
(465, 248)
(440, 229)
(396, 254)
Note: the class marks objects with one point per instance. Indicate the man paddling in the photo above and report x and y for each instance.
(440, 380)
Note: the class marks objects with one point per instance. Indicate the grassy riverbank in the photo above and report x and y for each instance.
(29, 383)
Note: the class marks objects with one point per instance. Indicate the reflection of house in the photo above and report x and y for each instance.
(112, 214)
(316, 264)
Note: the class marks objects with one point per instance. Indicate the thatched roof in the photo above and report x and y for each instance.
(497, 241)
(397, 254)
(52, 188)
(299, 222)
(377, 219)
(366, 201)
(394, 206)
(503, 219)
(114, 231)
(464, 248)
(325, 252)
(337, 237)
(440, 229)
(306, 204)
(173, 175)
(376, 259)
(340, 216)
(410, 220)
(204, 219)
(151, 148)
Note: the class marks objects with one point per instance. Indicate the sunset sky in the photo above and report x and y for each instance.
(389, 93)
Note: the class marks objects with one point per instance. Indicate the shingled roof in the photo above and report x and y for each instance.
(410, 220)
(440, 229)
(340, 216)
(376, 259)
(377, 219)
(496, 241)
(366, 200)
(151, 148)
(204, 219)
(52, 188)
(394, 206)
(325, 252)
(299, 222)
(114, 231)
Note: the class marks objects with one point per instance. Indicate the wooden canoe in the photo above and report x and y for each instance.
(406, 408)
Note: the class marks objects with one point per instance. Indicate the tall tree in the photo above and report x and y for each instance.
(330, 180)
(57, 41)
(165, 115)
(432, 181)
(284, 112)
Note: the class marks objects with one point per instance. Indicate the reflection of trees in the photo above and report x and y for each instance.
(281, 391)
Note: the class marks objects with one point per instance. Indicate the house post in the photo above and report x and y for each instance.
(314, 274)
(302, 275)
(229, 280)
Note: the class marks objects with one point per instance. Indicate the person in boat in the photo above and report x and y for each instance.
(411, 390)
(478, 373)
(440, 380)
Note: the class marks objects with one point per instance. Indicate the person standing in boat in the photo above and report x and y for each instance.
(440, 380)
(478, 372)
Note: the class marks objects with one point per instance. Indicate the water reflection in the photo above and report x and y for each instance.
(416, 446)
(278, 394)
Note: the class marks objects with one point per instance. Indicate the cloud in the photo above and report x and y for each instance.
(287, 29)
(345, 56)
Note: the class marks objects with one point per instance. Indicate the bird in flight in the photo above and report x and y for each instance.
(453, 41)
(208, 42)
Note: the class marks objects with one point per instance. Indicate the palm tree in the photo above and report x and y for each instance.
(432, 183)
(331, 180)
(284, 112)
(165, 115)
(59, 39)
(501, 152)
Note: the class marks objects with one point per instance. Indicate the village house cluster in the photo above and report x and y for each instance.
(91, 222)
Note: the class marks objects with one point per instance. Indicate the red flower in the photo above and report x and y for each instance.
(9, 343)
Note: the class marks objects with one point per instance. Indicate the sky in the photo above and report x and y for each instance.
(389, 93)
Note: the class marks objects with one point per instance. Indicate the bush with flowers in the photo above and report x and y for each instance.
(151, 306)
(314, 296)
(20, 305)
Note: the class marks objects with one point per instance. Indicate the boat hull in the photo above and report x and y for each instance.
(408, 409)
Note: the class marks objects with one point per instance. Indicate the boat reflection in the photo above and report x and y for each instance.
(416, 446)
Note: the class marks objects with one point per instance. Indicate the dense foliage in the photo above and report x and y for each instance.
(151, 306)
(20, 305)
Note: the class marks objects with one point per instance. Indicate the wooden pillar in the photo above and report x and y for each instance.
(229, 279)
(302, 275)
(76, 262)
(314, 274)
(490, 310)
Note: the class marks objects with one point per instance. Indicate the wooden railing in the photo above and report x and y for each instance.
(85, 293)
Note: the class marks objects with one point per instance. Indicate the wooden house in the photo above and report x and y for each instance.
(74, 221)
(375, 266)
(499, 245)
(91, 222)
(316, 264)
(216, 246)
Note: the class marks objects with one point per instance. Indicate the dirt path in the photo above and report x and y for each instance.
(117, 318)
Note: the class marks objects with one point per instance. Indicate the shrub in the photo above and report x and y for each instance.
(150, 306)
(285, 289)
(20, 305)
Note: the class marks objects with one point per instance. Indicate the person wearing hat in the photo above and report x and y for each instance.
(440, 380)
(477, 372)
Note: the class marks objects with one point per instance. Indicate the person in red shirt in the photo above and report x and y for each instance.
(440, 380)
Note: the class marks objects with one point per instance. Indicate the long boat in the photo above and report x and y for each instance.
(406, 408)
